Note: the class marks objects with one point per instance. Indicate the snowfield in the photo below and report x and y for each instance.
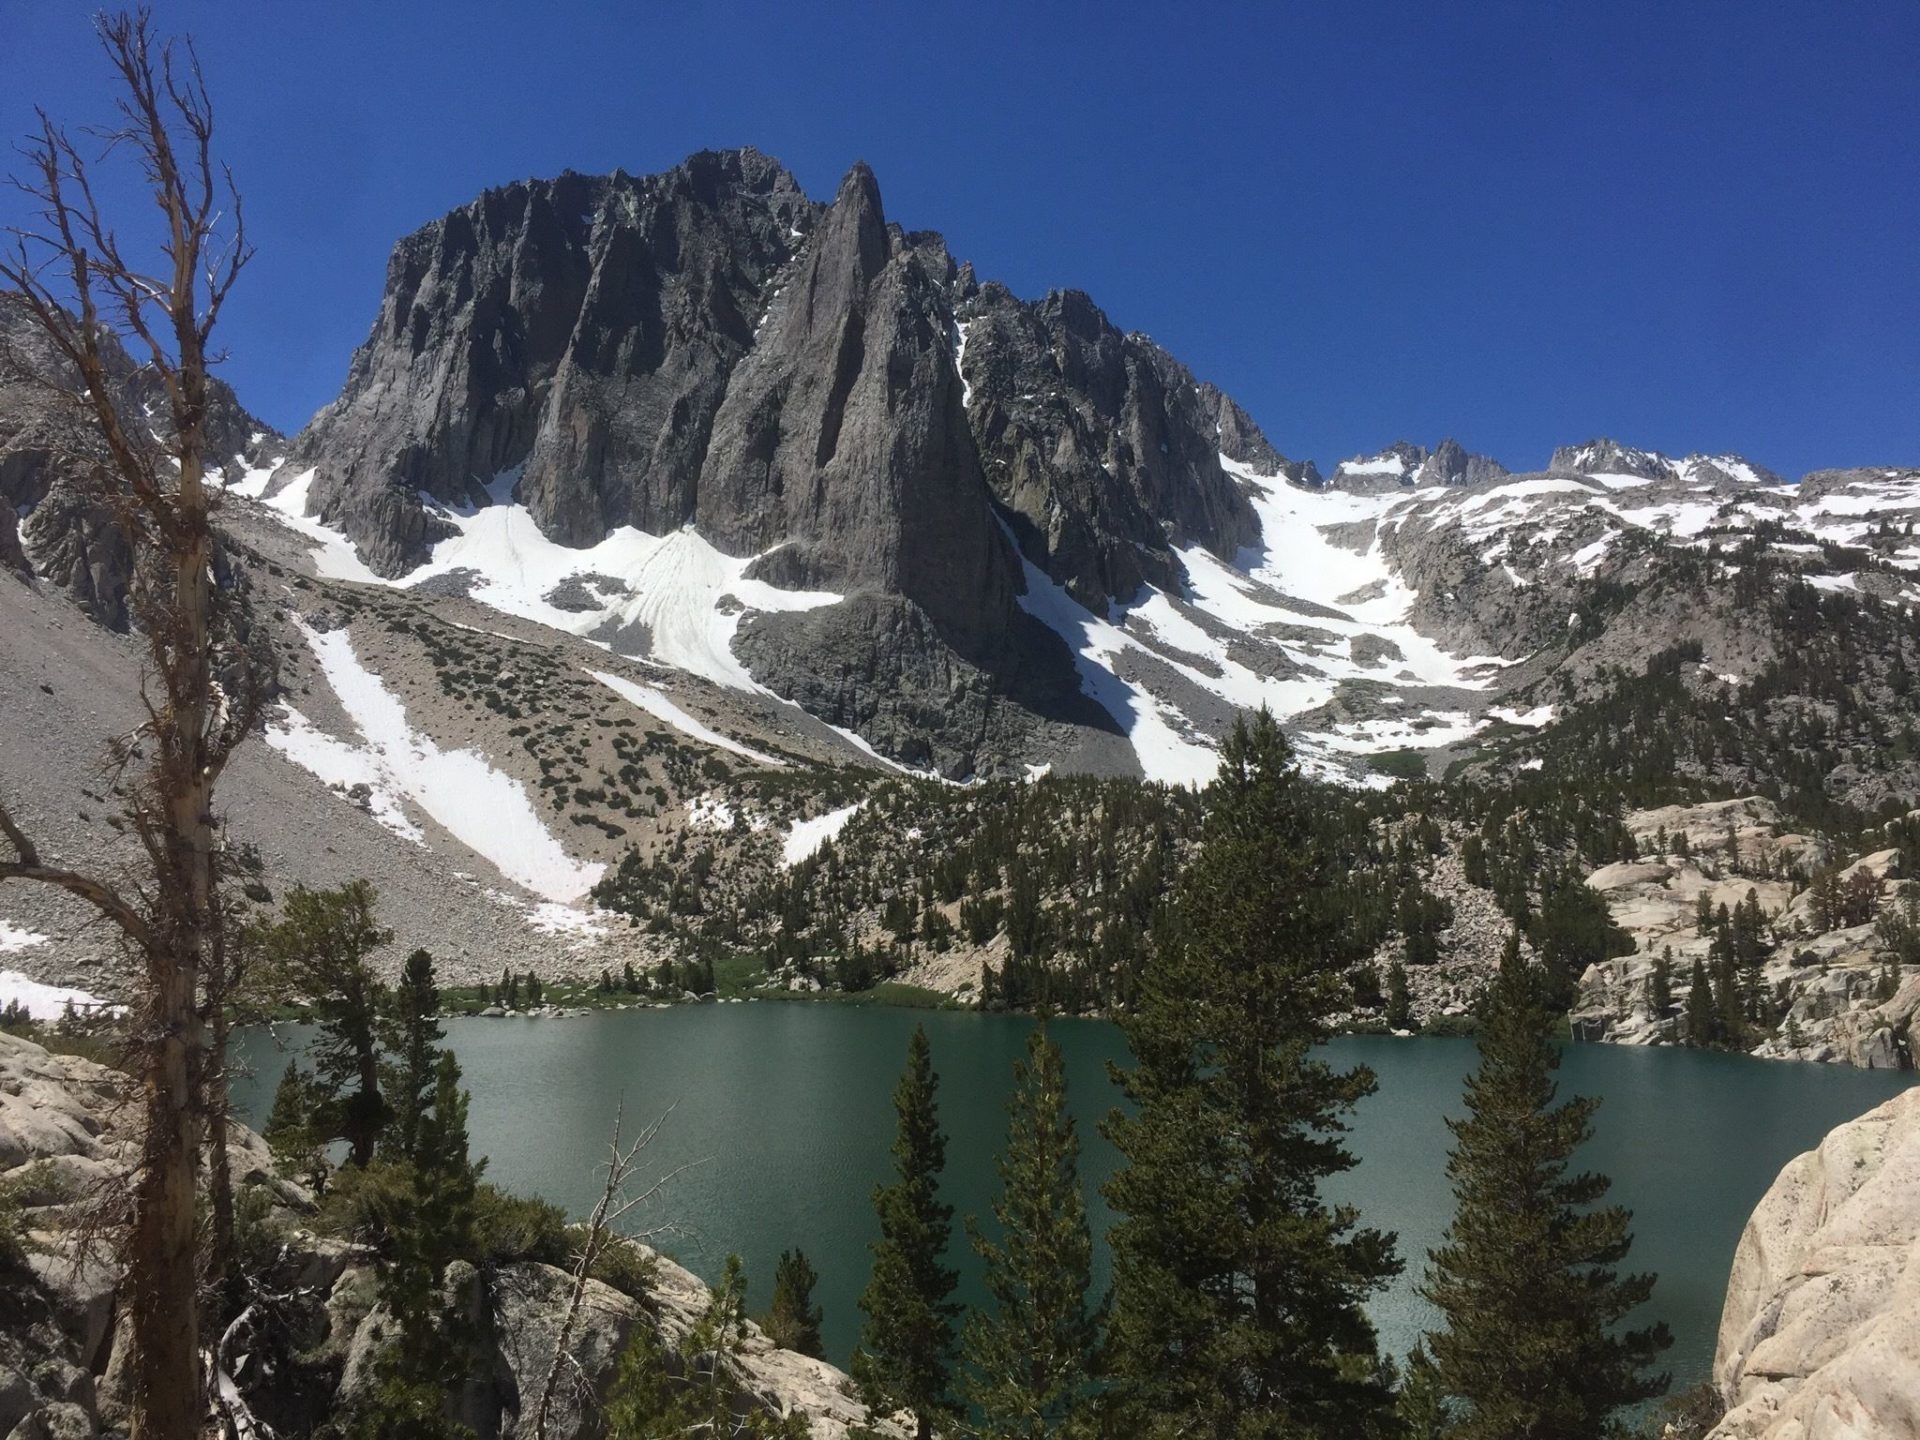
(13, 937)
(679, 592)
(488, 812)
(805, 837)
(45, 1002)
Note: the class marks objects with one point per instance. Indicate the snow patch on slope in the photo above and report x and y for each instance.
(805, 837)
(1165, 752)
(685, 595)
(45, 1002)
(14, 937)
(656, 704)
(487, 811)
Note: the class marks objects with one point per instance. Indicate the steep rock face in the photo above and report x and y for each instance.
(1237, 437)
(581, 330)
(708, 347)
(1102, 447)
(1450, 463)
(53, 523)
(1820, 1338)
(842, 437)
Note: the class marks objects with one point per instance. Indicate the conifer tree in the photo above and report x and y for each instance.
(320, 949)
(905, 1359)
(1239, 1293)
(793, 1320)
(414, 1037)
(428, 1223)
(1703, 1015)
(291, 1133)
(1532, 1346)
(1399, 1003)
(1032, 1356)
(1660, 985)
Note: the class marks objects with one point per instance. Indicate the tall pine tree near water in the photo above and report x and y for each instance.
(1239, 1293)
(1525, 1279)
(414, 1036)
(905, 1359)
(429, 1221)
(1032, 1355)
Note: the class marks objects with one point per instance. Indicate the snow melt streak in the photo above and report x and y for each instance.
(488, 812)
(656, 704)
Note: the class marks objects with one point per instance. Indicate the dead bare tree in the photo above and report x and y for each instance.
(69, 271)
(601, 1231)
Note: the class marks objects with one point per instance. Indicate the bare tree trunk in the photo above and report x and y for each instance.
(613, 1206)
(157, 489)
(220, 985)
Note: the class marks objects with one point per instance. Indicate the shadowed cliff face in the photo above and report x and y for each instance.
(53, 521)
(710, 347)
(1102, 447)
(580, 330)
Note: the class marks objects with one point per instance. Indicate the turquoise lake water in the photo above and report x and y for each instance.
(785, 1113)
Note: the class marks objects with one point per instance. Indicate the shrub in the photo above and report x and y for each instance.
(507, 1228)
(627, 1268)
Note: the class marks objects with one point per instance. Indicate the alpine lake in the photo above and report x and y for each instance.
(782, 1114)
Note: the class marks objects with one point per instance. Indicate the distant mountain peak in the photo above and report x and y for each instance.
(1604, 456)
(1611, 457)
(1404, 463)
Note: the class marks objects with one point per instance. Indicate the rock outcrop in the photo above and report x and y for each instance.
(1102, 448)
(53, 521)
(1831, 984)
(1820, 1339)
(1404, 465)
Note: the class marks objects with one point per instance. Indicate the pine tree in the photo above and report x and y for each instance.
(414, 1037)
(1660, 985)
(1703, 1015)
(319, 949)
(1525, 1280)
(1239, 1294)
(793, 1320)
(905, 1359)
(291, 1132)
(429, 1223)
(1399, 1003)
(1032, 1357)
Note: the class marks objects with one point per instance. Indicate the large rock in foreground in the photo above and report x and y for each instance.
(1820, 1339)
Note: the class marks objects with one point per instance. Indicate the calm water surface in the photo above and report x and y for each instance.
(787, 1108)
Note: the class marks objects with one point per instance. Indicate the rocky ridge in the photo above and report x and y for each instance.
(709, 348)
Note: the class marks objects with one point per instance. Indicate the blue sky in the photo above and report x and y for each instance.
(1694, 227)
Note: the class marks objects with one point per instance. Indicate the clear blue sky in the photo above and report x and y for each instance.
(1692, 226)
